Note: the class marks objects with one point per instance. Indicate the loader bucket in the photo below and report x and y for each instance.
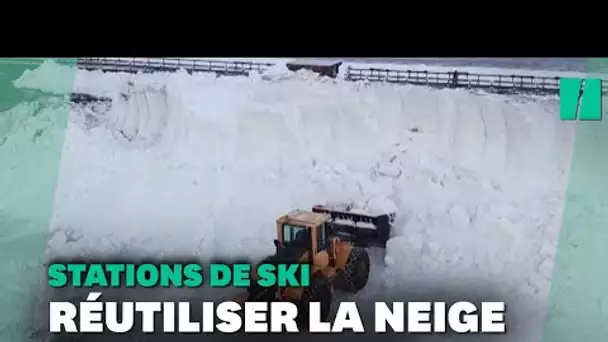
(366, 230)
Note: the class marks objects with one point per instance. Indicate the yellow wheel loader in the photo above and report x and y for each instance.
(333, 243)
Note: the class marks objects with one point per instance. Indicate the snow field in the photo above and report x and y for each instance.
(199, 165)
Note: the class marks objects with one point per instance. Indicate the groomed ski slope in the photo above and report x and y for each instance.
(209, 163)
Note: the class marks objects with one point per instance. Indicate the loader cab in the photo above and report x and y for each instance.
(303, 229)
(323, 232)
(296, 236)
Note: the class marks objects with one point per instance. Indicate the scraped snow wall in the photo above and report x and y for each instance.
(200, 165)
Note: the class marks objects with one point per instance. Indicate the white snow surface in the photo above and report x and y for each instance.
(477, 179)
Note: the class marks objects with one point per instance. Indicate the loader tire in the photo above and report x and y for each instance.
(320, 290)
(258, 293)
(356, 270)
(261, 294)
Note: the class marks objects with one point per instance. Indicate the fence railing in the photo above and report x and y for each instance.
(456, 79)
(150, 65)
(502, 83)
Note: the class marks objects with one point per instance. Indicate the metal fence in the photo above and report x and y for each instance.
(501, 83)
(455, 79)
(150, 65)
